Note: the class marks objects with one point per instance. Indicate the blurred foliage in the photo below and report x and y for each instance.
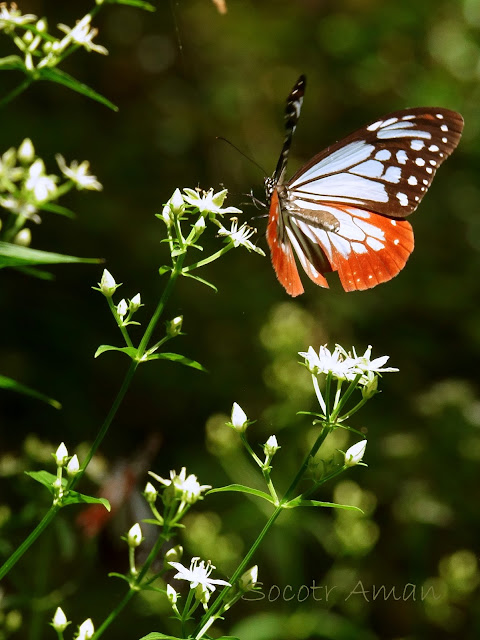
(181, 77)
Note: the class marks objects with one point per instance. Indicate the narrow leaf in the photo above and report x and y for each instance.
(13, 385)
(240, 488)
(56, 208)
(155, 635)
(135, 3)
(176, 357)
(202, 280)
(316, 503)
(55, 75)
(45, 478)
(73, 497)
(113, 574)
(13, 255)
(131, 352)
(12, 62)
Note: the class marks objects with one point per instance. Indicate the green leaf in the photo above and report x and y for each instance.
(135, 3)
(131, 352)
(56, 208)
(298, 502)
(72, 497)
(155, 635)
(13, 255)
(13, 385)
(243, 489)
(164, 269)
(12, 62)
(34, 272)
(152, 521)
(45, 478)
(55, 75)
(202, 280)
(176, 357)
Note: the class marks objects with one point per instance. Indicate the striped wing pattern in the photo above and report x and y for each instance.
(343, 211)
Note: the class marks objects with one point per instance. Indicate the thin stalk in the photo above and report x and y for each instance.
(23, 86)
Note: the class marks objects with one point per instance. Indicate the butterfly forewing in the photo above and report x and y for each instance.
(342, 211)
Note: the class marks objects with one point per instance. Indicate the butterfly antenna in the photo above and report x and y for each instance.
(242, 153)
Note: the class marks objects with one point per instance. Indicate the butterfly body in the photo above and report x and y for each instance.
(344, 210)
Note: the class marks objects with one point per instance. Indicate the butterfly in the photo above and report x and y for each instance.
(344, 210)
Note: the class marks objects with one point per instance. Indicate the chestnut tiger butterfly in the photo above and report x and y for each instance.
(344, 210)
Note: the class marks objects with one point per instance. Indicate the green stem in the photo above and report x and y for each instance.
(213, 611)
(27, 543)
(214, 256)
(23, 86)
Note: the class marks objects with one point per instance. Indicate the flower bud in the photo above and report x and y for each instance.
(122, 308)
(271, 447)
(73, 467)
(61, 455)
(369, 388)
(86, 630)
(134, 536)
(239, 420)
(249, 579)
(23, 237)
(172, 595)
(198, 228)
(174, 327)
(26, 151)
(174, 554)
(107, 284)
(29, 61)
(41, 25)
(177, 204)
(28, 37)
(150, 493)
(355, 454)
(135, 303)
(60, 622)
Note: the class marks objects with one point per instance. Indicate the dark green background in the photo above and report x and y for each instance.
(181, 77)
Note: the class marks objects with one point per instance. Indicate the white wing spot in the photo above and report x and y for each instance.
(425, 181)
(370, 277)
(417, 198)
(394, 222)
(393, 174)
(402, 157)
(375, 244)
(433, 147)
(444, 127)
(402, 198)
(410, 117)
(444, 140)
(369, 169)
(433, 162)
(416, 145)
(429, 169)
(375, 125)
(412, 180)
(420, 162)
(387, 123)
(441, 155)
(396, 241)
(439, 116)
(383, 154)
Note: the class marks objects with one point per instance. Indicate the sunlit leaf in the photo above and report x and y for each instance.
(55, 75)
(131, 352)
(176, 357)
(13, 255)
(240, 488)
(13, 385)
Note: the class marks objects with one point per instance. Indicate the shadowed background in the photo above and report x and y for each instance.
(181, 77)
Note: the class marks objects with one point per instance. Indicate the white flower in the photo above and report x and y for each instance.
(9, 18)
(364, 365)
(20, 207)
(249, 579)
(26, 151)
(198, 574)
(271, 447)
(122, 308)
(207, 201)
(81, 34)
(185, 488)
(239, 420)
(355, 454)
(42, 186)
(107, 284)
(73, 467)
(150, 493)
(135, 303)
(338, 363)
(8, 171)
(78, 173)
(239, 237)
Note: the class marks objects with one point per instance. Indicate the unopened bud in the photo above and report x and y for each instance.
(41, 25)
(86, 630)
(150, 493)
(271, 447)
(369, 389)
(73, 467)
(107, 284)
(61, 455)
(239, 420)
(355, 454)
(135, 303)
(177, 204)
(134, 536)
(249, 579)
(26, 151)
(174, 554)
(122, 308)
(23, 237)
(172, 595)
(60, 622)
(174, 327)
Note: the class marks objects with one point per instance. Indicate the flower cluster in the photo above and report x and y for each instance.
(26, 187)
(40, 48)
(199, 577)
